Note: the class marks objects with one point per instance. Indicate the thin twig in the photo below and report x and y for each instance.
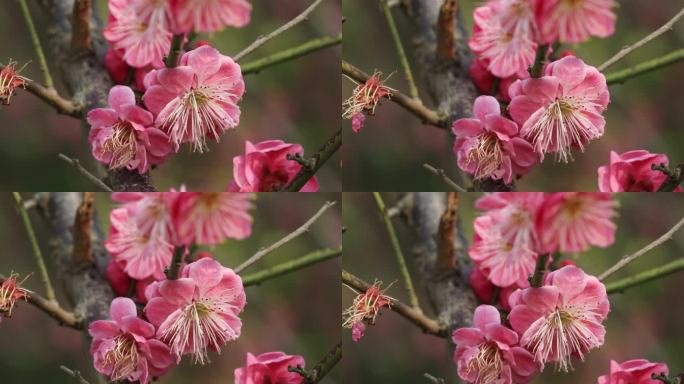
(425, 114)
(80, 25)
(50, 96)
(37, 254)
(403, 59)
(291, 54)
(645, 276)
(77, 164)
(539, 269)
(401, 261)
(629, 258)
(675, 176)
(629, 49)
(314, 257)
(174, 51)
(433, 379)
(292, 235)
(315, 162)
(264, 39)
(52, 308)
(75, 374)
(36, 45)
(620, 77)
(442, 174)
(415, 316)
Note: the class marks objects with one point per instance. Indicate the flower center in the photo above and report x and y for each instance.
(124, 357)
(210, 201)
(559, 335)
(487, 155)
(487, 363)
(123, 145)
(573, 206)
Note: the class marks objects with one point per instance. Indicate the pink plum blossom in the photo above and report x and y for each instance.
(638, 371)
(515, 215)
(10, 80)
(124, 347)
(364, 99)
(575, 221)
(123, 135)
(211, 218)
(199, 310)
(121, 282)
(142, 254)
(484, 80)
(561, 319)
(488, 144)
(10, 292)
(575, 21)
(484, 289)
(265, 168)
(631, 172)
(141, 29)
(503, 36)
(365, 309)
(152, 212)
(197, 99)
(562, 109)
(488, 353)
(270, 367)
(506, 263)
(211, 15)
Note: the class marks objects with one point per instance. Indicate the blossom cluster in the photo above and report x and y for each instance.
(189, 314)
(188, 98)
(555, 322)
(365, 309)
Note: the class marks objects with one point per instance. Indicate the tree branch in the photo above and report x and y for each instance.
(674, 176)
(75, 374)
(629, 49)
(315, 162)
(403, 60)
(329, 361)
(416, 107)
(415, 316)
(85, 76)
(47, 78)
(291, 54)
(292, 235)
(52, 308)
(84, 282)
(629, 258)
(80, 21)
(620, 77)
(314, 257)
(264, 39)
(645, 276)
(77, 164)
(439, 172)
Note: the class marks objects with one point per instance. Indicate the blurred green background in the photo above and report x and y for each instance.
(297, 102)
(644, 322)
(388, 154)
(296, 313)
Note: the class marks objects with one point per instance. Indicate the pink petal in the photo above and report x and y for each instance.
(138, 326)
(102, 117)
(122, 307)
(486, 105)
(119, 96)
(522, 107)
(179, 291)
(205, 272)
(176, 80)
(484, 315)
(467, 127)
(501, 125)
(205, 60)
(158, 309)
(467, 336)
(157, 97)
(103, 329)
(500, 333)
(569, 70)
(135, 114)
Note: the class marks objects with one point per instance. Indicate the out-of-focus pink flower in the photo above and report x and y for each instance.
(152, 212)
(10, 292)
(123, 135)
(211, 16)
(197, 99)
(488, 352)
(9, 81)
(507, 263)
(197, 311)
(211, 218)
(574, 21)
(365, 308)
(575, 221)
(124, 348)
(121, 282)
(265, 168)
(488, 144)
(143, 254)
(562, 109)
(638, 371)
(631, 172)
(270, 367)
(484, 80)
(561, 319)
(515, 215)
(365, 99)
(503, 36)
(118, 70)
(484, 289)
(141, 29)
